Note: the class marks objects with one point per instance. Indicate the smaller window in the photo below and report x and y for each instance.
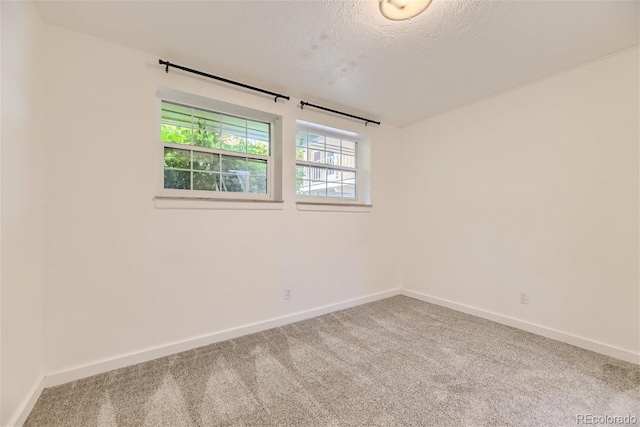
(326, 164)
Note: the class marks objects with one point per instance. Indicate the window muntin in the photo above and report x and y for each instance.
(214, 153)
(326, 166)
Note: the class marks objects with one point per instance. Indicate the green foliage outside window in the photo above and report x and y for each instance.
(213, 171)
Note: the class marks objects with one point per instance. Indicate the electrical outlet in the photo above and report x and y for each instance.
(524, 298)
(287, 294)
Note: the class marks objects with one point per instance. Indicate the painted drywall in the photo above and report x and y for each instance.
(22, 189)
(346, 52)
(123, 276)
(534, 190)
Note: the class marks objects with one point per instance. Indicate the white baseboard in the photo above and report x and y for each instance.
(99, 367)
(102, 366)
(27, 404)
(598, 347)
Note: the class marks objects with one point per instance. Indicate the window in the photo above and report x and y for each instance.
(326, 164)
(207, 153)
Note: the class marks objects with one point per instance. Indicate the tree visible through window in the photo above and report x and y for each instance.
(206, 151)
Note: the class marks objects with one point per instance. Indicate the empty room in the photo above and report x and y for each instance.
(319, 212)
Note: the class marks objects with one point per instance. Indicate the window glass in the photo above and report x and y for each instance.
(208, 151)
(326, 166)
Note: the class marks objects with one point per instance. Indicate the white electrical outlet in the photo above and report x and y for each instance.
(287, 294)
(524, 298)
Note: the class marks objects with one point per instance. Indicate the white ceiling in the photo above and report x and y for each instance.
(345, 54)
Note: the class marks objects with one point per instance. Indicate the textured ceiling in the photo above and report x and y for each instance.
(344, 53)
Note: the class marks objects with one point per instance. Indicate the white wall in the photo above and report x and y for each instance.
(22, 206)
(123, 276)
(533, 190)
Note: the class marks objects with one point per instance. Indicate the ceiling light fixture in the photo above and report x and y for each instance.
(399, 10)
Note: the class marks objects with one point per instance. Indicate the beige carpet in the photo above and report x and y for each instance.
(397, 361)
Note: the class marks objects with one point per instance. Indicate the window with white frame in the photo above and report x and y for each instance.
(212, 154)
(326, 164)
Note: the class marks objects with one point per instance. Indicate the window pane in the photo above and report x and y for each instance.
(318, 188)
(234, 126)
(234, 143)
(302, 186)
(317, 173)
(206, 162)
(316, 156)
(258, 184)
(254, 138)
(334, 191)
(206, 129)
(207, 119)
(258, 131)
(348, 161)
(349, 148)
(333, 175)
(257, 167)
(349, 191)
(234, 134)
(234, 164)
(175, 134)
(301, 139)
(177, 179)
(176, 124)
(316, 141)
(301, 153)
(205, 138)
(348, 177)
(234, 183)
(177, 158)
(333, 151)
(174, 114)
(255, 146)
(206, 181)
(302, 172)
(332, 158)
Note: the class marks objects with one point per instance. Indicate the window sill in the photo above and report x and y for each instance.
(226, 204)
(333, 207)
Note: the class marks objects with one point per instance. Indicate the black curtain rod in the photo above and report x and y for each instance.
(366, 121)
(222, 79)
